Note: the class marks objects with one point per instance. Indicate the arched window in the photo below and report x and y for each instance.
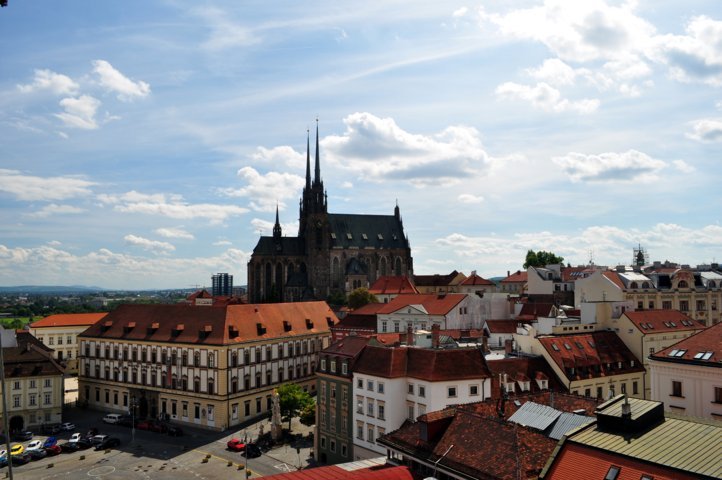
(336, 273)
(184, 359)
(184, 382)
(682, 284)
(397, 267)
(268, 277)
(211, 361)
(211, 386)
(234, 384)
(197, 359)
(382, 266)
(289, 272)
(645, 284)
(633, 285)
(197, 384)
(712, 284)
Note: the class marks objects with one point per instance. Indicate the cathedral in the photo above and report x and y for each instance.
(334, 253)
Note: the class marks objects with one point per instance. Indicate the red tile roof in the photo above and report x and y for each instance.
(706, 345)
(214, 325)
(392, 285)
(518, 277)
(502, 326)
(614, 278)
(29, 359)
(528, 367)
(335, 472)
(475, 279)
(570, 274)
(655, 321)
(433, 365)
(590, 353)
(349, 346)
(435, 280)
(576, 461)
(433, 303)
(534, 310)
(68, 320)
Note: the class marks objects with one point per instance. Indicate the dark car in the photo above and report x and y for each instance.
(253, 451)
(110, 442)
(52, 429)
(69, 447)
(20, 459)
(53, 450)
(158, 427)
(3, 462)
(37, 453)
(84, 444)
(50, 441)
(23, 436)
(125, 421)
(174, 431)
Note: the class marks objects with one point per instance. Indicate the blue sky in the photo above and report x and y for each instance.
(146, 144)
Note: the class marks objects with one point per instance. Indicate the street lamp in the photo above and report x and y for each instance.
(133, 404)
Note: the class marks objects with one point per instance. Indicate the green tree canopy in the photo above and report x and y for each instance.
(307, 416)
(293, 399)
(541, 259)
(360, 297)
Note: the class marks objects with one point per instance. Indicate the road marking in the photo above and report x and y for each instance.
(100, 471)
(283, 467)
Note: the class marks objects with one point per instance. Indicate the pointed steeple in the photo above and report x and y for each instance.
(317, 173)
(308, 159)
(277, 227)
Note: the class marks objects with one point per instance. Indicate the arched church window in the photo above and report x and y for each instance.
(397, 267)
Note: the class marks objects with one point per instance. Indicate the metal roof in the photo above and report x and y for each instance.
(567, 422)
(682, 444)
(535, 415)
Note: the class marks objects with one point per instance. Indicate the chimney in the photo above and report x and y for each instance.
(508, 273)
(409, 335)
(435, 336)
(485, 344)
(626, 409)
(508, 346)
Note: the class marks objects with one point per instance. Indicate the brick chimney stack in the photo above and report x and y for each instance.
(410, 335)
(435, 336)
(508, 346)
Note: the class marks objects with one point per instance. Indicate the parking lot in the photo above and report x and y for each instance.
(197, 454)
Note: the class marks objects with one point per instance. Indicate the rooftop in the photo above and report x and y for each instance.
(703, 348)
(392, 285)
(68, 320)
(658, 321)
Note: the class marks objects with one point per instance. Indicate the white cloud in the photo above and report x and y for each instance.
(54, 209)
(545, 97)
(264, 227)
(154, 246)
(79, 112)
(174, 233)
(54, 243)
(683, 166)
(105, 268)
(280, 155)
(377, 149)
(469, 198)
(111, 79)
(554, 72)
(706, 130)
(31, 188)
(347, 185)
(222, 243)
(57, 83)
(171, 206)
(224, 32)
(696, 56)
(267, 190)
(610, 167)
(460, 12)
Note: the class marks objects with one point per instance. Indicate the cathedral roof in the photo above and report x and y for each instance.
(289, 246)
(377, 231)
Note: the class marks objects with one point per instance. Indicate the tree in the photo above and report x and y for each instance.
(541, 259)
(308, 414)
(293, 399)
(336, 298)
(360, 297)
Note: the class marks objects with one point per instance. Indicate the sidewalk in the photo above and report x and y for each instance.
(296, 455)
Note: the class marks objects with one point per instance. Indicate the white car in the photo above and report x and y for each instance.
(75, 437)
(67, 426)
(35, 445)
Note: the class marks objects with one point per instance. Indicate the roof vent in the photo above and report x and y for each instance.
(205, 331)
(178, 329)
(153, 328)
(106, 326)
(261, 329)
(130, 326)
(286, 326)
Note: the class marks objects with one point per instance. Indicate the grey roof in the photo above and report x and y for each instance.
(535, 415)
(288, 246)
(567, 422)
(377, 231)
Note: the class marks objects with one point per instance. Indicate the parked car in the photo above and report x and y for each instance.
(50, 441)
(51, 429)
(3, 462)
(252, 451)
(96, 439)
(112, 418)
(236, 445)
(84, 444)
(37, 453)
(67, 427)
(69, 447)
(125, 421)
(109, 442)
(20, 459)
(144, 425)
(23, 436)
(53, 450)
(35, 445)
(17, 449)
(174, 431)
(75, 437)
(158, 427)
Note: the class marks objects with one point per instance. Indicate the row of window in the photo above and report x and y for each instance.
(198, 411)
(331, 426)
(397, 325)
(126, 376)
(33, 399)
(332, 362)
(374, 408)
(283, 350)
(51, 339)
(283, 374)
(148, 354)
(332, 446)
(677, 392)
(700, 305)
(47, 383)
(612, 390)
(332, 391)
(372, 432)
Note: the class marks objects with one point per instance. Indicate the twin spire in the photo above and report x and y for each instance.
(317, 170)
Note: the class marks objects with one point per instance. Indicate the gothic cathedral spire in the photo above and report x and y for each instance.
(317, 173)
(277, 228)
(308, 160)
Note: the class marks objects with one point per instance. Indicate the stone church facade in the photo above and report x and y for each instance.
(333, 252)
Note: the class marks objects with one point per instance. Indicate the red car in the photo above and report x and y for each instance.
(158, 427)
(53, 450)
(236, 445)
(143, 425)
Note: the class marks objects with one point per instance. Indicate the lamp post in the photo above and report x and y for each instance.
(133, 404)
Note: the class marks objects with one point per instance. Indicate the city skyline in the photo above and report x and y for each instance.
(147, 146)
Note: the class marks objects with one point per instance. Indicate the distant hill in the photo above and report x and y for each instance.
(50, 290)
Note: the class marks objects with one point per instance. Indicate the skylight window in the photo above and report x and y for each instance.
(673, 353)
(364, 236)
(613, 473)
(703, 356)
(591, 344)
(381, 237)
(349, 236)
(672, 324)
(554, 346)
(680, 353)
(567, 346)
(579, 345)
(333, 235)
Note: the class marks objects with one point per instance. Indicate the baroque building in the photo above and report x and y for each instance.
(332, 253)
(210, 366)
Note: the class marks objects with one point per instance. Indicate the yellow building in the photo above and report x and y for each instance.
(34, 384)
(208, 366)
(60, 333)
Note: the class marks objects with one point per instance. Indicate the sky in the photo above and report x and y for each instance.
(146, 144)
